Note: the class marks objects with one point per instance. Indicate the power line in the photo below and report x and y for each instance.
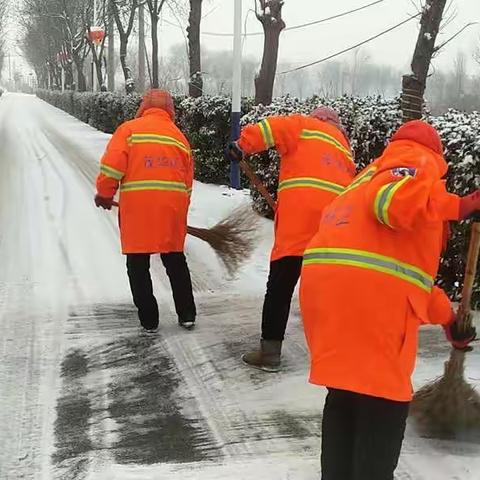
(295, 27)
(352, 47)
(468, 25)
(339, 15)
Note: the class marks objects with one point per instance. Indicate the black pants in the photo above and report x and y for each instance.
(282, 279)
(138, 268)
(361, 436)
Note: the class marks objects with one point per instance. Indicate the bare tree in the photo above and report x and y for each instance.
(476, 53)
(155, 7)
(460, 73)
(46, 42)
(194, 51)
(124, 12)
(269, 13)
(414, 84)
(97, 50)
(141, 48)
(111, 52)
(73, 12)
(359, 61)
(4, 4)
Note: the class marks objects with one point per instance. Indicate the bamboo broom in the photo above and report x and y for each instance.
(232, 239)
(449, 407)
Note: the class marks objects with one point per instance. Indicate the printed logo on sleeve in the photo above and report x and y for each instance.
(404, 172)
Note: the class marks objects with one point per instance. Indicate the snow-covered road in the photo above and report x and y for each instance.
(84, 396)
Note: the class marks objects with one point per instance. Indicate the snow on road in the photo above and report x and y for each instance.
(84, 396)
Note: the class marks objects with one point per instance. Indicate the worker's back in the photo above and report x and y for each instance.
(368, 273)
(315, 167)
(152, 160)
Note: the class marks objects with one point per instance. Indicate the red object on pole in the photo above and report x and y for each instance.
(96, 35)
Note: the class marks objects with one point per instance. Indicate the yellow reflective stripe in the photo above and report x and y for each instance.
(319, 135)
(363, 178)
(154, 185)
(159, 139)
(384, 199)
(310, 182)
(370, 261)
(111, 172)
(267, 133)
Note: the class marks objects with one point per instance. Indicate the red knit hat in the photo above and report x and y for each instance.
(155, 98)
(327, 114)
(422, 133)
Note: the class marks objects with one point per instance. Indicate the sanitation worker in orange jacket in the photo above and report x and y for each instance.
(316, 165)
(366, 287)
(150, 160)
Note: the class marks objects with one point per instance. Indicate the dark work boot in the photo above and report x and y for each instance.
(267, 358)
(187, 322)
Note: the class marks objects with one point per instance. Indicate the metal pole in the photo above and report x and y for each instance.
(63, 79)
(141, 48)
(236, 89)
(111, 52)
(94, 65)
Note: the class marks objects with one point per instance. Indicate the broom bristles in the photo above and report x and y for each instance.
(233, 239)
(449, 407)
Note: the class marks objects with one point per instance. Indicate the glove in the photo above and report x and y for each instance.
(105, 203)
(234, 152)
(459, 338)
(470, 205)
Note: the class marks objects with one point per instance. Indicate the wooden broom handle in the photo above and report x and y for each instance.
(470, 273)
(247, 170)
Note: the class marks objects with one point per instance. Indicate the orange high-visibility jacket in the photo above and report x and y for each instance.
(316, 165)
(368, 274)
(150, 160)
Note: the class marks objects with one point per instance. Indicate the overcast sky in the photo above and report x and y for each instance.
(311, 43)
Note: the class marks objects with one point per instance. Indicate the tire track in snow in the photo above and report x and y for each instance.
(98, 431)
(29, 349)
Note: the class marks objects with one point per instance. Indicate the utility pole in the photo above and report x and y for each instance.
(141, 48)
(236, 90)
(94, 76)
(111, 52)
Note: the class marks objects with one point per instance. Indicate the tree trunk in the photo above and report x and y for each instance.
(141, 48)
(414, 84)
(129, 83)
(111, 53)
(97, 59)
(69, 75)
(155, 78)
(272, 26)
(195, 84)
(81, 80)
